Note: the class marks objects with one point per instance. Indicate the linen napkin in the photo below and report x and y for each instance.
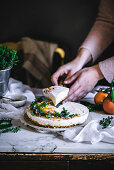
(92, 132)
(15, 87)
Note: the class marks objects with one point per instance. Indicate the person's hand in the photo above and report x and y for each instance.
(83, 82)
(66, 70)
(72, 67)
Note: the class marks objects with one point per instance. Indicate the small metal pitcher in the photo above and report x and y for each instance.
(4, 79)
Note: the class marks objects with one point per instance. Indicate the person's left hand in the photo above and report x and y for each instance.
(83, 82)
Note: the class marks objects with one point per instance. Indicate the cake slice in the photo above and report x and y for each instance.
(56, 93)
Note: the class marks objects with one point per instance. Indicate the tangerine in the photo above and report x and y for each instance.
(108, 106)
(99, 97)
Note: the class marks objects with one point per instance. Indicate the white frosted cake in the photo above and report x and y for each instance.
(46, 115)
(56, 93)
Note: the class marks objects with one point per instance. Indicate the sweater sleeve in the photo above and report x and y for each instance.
(102, 33)
(107, 68)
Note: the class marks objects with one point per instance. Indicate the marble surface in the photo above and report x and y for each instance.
(29, 140)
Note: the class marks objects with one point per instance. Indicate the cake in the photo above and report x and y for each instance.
(56, 93)
(44, 114)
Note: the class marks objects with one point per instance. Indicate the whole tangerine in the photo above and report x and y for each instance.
(108, 106)
(99, 97)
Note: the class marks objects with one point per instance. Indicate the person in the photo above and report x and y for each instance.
(83, 79)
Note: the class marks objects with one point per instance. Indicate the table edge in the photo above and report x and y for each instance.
(55, 157)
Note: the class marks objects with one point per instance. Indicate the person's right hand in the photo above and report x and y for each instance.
(72, 67)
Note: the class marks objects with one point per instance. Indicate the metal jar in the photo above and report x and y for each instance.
(4, 79)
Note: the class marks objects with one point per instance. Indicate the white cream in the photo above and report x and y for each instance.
(56, 93)
(73, 108)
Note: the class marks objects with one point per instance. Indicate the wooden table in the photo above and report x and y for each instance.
(44, 161)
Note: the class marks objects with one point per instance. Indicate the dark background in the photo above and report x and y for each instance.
(66, 22)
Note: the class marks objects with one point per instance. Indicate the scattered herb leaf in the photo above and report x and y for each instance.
(105, 122)
(5, 123)
(14, 130)
(92, 107)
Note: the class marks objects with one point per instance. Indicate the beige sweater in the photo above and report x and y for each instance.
(101, 36)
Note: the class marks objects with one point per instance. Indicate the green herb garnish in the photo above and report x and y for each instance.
(34, 103)
(105, 122)
(57, 114)
(64, 113)
(73, 115)
(44, 104)
(49, 114)
(37, 110)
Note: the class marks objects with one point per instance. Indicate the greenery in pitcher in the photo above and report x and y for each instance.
(8, 57)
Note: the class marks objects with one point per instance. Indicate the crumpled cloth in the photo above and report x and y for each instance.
(15, 87)
(38, 60)
(91, 132)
